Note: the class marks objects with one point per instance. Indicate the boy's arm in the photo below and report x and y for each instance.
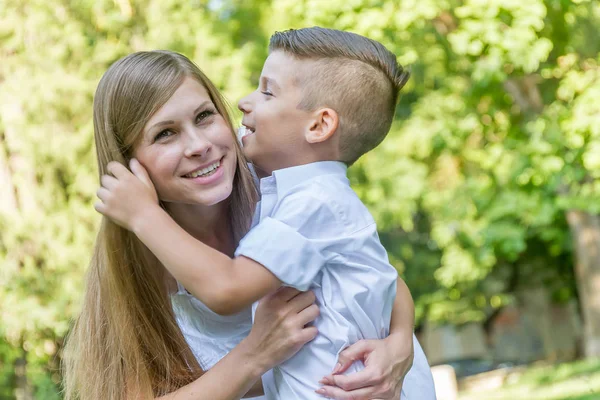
(226, 286)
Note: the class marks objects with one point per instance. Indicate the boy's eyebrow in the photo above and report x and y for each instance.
(171, 122)
(270, 81)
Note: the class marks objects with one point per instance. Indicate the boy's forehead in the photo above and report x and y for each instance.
(283, 68)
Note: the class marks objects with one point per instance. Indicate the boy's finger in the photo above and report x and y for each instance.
(103, 194)
(117, 169)
(138, 170)
(109, 181)
(99, 206)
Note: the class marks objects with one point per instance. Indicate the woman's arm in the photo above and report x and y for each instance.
(278, 332)
(229, 379)
(386, 361)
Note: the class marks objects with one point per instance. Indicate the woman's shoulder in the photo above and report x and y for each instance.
(190, 310)
(209, 335)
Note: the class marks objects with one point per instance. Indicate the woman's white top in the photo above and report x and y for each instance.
(210, 336)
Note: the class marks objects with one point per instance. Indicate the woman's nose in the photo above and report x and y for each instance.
(197, 145)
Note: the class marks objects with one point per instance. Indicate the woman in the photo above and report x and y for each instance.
(140, 334)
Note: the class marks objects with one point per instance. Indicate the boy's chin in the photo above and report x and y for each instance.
(248, 155)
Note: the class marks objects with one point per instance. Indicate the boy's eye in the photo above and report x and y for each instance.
(204, 115)
(266, 93)
(163, 134)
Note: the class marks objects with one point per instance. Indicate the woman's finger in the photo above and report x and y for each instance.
(333, 392)
(307, 334)
(286, 293)
(357, 351)
(309, 314)
(361, 379)
(301, 301)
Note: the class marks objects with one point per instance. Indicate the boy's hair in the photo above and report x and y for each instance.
(358, 77)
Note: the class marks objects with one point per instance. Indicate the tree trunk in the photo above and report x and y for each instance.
(585, 229)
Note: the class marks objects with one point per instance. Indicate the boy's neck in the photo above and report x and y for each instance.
(307, 155)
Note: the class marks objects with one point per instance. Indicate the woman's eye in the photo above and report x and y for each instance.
(163, 134)
(204, 115)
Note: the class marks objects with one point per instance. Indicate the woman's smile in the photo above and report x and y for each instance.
(207, 173)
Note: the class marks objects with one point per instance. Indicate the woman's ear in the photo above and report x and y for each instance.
(323, 127)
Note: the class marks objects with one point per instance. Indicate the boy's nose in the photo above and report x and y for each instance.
(245, 105)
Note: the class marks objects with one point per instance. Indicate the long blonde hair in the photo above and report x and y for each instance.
(126, 342)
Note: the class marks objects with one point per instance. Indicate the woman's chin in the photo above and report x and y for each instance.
(210, 198)
(216, 196)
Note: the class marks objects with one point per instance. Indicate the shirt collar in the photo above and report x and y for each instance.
(285, 179)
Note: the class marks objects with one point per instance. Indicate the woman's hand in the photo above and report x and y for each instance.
(386, 363)
(279, 328)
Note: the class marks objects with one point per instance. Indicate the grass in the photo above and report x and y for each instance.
(570, 381)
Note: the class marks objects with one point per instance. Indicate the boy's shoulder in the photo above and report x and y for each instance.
(331, 196)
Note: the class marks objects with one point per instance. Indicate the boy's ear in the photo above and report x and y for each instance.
(323, 126)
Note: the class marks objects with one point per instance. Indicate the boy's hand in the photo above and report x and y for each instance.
(386, 365)
(126, 196)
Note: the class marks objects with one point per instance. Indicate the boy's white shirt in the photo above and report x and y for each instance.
(212, 336)
(313, 232)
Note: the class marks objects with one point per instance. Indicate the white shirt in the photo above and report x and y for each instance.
(313, 232)
(210, 336)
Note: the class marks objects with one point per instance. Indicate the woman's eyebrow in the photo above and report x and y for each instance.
(162, 123)
(171, 122)
(203, 105)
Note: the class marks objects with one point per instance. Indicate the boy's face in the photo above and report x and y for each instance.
(275, 126)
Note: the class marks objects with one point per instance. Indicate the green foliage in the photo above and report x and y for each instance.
(569, 381)
(497, 134)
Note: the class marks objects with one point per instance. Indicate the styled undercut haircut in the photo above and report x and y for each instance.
(356, 76)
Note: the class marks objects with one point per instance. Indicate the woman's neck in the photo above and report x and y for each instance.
(209, 224)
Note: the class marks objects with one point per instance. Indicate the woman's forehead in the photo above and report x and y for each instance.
(190, 95)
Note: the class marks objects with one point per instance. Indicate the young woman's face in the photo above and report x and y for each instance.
(188, 149)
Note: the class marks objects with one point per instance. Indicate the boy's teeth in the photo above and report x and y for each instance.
(244, 131)
(205, 171)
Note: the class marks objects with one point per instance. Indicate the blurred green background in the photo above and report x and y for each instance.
(486, 189)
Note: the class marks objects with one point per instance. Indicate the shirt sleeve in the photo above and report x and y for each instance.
(287, 243)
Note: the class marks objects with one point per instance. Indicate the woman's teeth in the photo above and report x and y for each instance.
(211, 169)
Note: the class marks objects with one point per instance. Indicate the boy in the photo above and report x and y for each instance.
(325, 98)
